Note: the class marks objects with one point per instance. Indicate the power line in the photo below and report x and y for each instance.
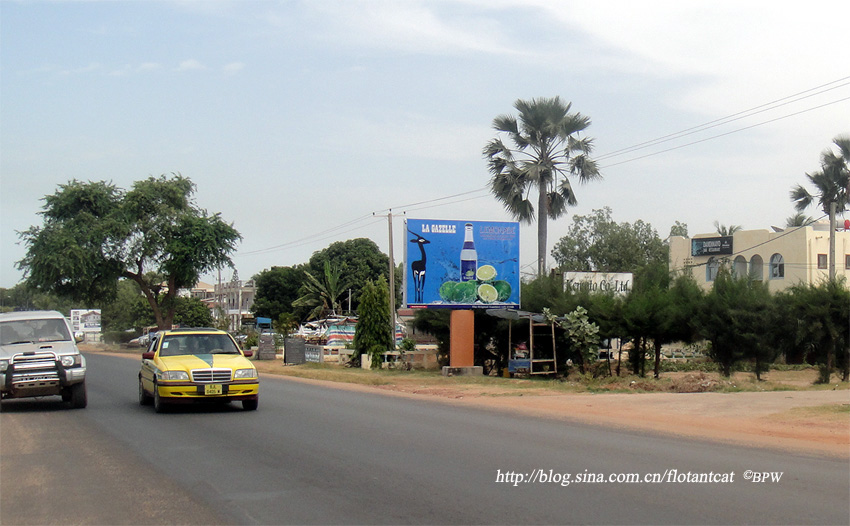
(726, 133)
(336, 230)
(730, 118)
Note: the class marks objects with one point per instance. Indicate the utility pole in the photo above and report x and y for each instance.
(392, 282)
(832, 208)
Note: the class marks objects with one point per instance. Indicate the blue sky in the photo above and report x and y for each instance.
(299, 120)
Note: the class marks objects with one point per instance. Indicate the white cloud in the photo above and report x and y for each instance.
(233, 68)
(190, 65)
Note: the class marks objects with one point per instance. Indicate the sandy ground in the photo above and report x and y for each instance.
(808, 421)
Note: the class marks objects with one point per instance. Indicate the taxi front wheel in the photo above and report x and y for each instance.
(250, 405)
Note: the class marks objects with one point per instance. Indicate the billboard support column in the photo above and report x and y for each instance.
(462, 344)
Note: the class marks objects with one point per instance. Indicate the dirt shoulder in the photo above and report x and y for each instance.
(810, 421)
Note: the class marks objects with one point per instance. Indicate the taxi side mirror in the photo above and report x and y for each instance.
(147, 355)
(249, 353)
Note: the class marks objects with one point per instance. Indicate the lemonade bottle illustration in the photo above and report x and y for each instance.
(468, 255)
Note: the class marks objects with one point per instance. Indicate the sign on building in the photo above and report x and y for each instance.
(711, 246)
(461, 264)
(619, 283)
(85, 320)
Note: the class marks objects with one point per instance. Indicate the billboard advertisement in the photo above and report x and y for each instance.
(85, 320)
(711, 246)
(461, 264)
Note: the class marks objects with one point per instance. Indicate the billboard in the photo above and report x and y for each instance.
(711, 246)
(85, 320)
(461, 264)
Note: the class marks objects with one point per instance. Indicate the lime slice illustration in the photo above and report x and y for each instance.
(504, 289)
(447, 291)
(485, 273)
(488, 293)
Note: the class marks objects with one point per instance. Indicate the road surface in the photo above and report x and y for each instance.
(318, 455)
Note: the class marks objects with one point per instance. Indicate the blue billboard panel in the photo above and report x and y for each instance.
(461, 264)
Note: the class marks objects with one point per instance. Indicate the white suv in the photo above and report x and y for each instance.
(39, 357)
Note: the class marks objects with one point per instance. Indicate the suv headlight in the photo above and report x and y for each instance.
(4, 364)
(245, 373)
(174, 375)
(71, 360)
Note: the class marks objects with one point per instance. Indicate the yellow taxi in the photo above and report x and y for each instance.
(197, 365)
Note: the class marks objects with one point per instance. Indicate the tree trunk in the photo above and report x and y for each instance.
(542, 229)
(657, 371)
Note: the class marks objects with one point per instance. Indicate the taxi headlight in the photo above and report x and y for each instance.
(174, 375)
(70, 360)
(245, 373)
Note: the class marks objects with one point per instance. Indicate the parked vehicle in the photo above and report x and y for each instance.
(39, 357)
(194, 366)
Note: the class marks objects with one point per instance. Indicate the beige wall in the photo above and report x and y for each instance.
(753, 250)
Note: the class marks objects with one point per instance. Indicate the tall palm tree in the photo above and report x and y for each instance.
(546, 150)
(833, 189)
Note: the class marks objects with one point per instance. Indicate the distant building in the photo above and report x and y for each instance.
(234, 299)
(781, 258)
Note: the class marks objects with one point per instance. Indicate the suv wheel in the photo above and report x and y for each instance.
(78, 397)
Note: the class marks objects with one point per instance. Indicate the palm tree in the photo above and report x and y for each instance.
(546, 151)
(724, 231)
(799, 219)
(833, 189)
(322, 294)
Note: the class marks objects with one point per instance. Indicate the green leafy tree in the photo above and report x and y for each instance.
(323, 294)
(545, 150)
(95, 233)
(832, 189)
(645, 312)
(277, 290)
(24, 297)
(358, 261)
(597, 243)
(582, 334)
(679, 229)
(814, 324)
(373, 334)
(735, 319)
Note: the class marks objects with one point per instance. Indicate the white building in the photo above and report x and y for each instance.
(235, 298)
(781, 258)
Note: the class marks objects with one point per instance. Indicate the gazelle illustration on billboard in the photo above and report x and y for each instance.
(461, 264)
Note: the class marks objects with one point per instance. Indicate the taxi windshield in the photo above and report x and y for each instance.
(195, 344)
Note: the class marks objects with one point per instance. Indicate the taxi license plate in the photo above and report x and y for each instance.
(212, 389)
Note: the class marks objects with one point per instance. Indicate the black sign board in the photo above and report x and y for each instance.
(711, 246)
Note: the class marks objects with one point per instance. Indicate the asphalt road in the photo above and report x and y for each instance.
(316, 455)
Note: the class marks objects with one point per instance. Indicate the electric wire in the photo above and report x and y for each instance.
(431, 203)
(730, 118)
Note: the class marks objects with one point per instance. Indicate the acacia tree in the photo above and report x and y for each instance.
(596, 242)
(95, 233)
(546, 150)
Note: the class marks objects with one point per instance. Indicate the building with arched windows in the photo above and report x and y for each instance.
(781, 258)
